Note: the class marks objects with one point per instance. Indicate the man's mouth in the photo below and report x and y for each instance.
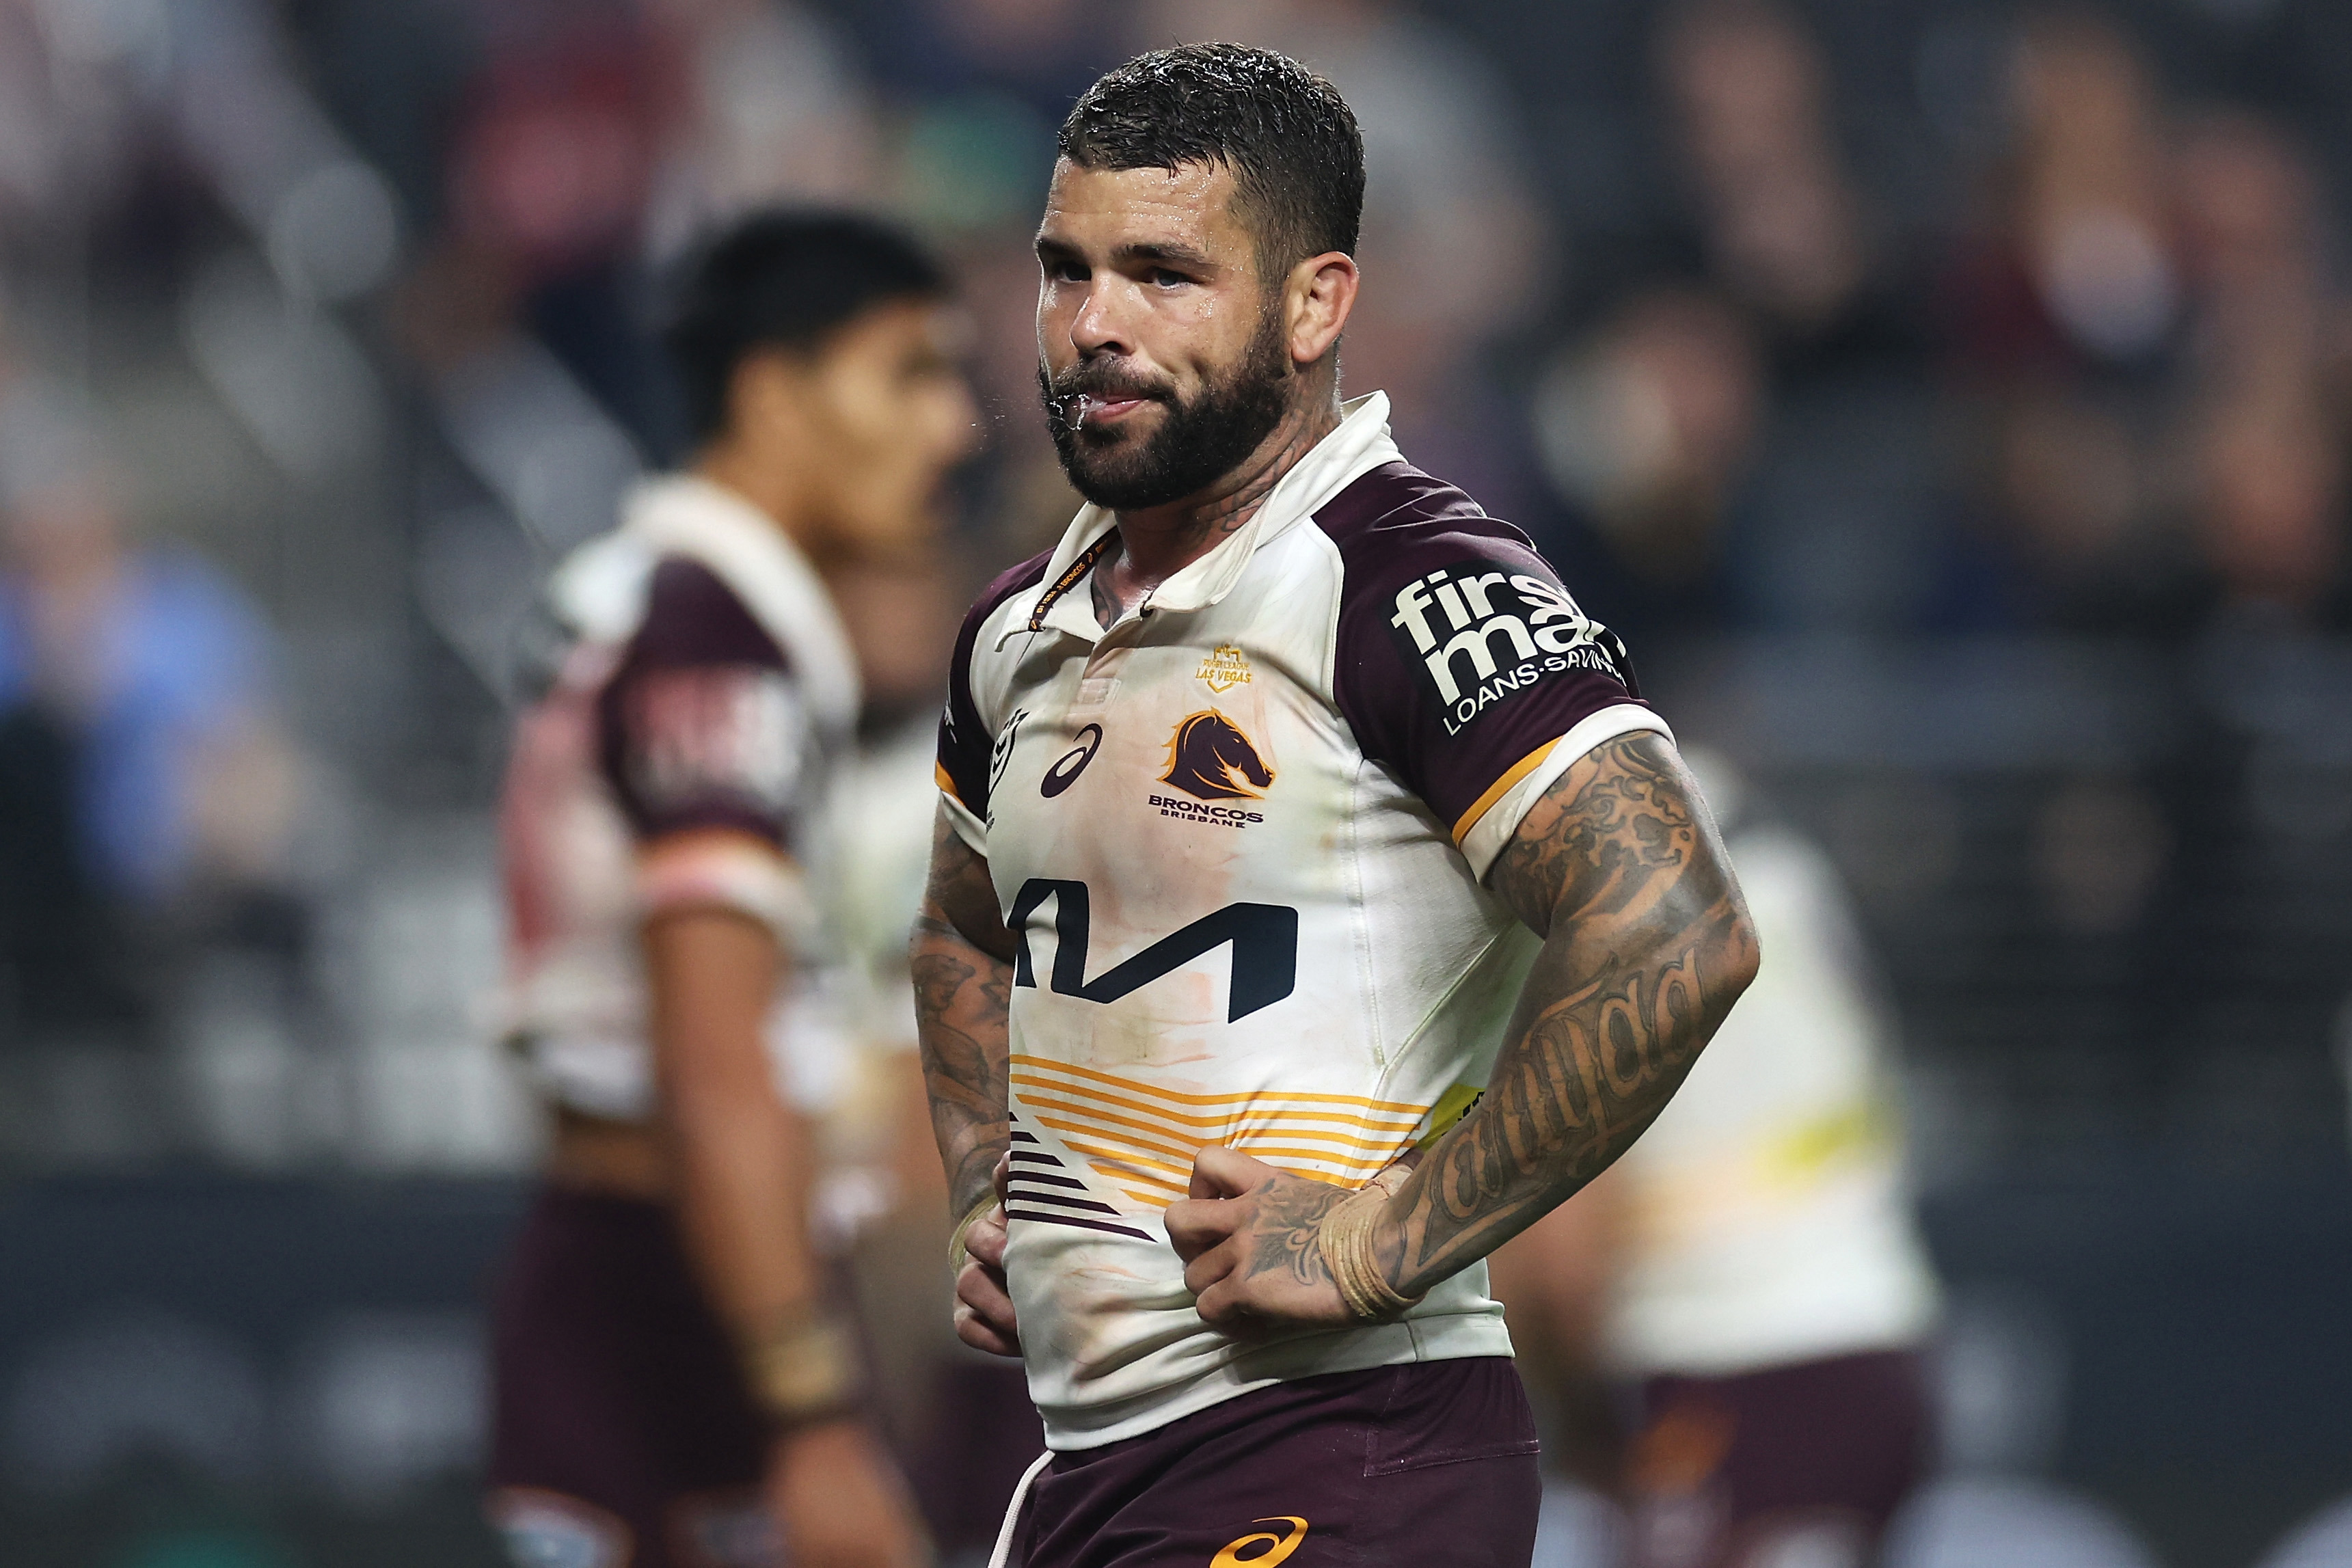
(1096, 409)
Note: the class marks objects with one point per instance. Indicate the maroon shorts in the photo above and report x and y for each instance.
(1430, 1463)
(1728, 1472)
(622, 1436)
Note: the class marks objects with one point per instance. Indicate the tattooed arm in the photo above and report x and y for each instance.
(961, 956)
(1646, 944)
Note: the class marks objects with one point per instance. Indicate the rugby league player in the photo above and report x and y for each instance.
(1315, 902)
(675, 1387)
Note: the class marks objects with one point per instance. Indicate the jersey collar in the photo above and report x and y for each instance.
(1360, 444)
(601, 588)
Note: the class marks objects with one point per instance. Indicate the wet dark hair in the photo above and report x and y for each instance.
(784, 278)
(1291, 140)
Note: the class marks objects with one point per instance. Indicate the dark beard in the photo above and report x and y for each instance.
(1201, 441)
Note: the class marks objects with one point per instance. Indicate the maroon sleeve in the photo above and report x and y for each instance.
(966, 742)
(702, 724)
(1460, 653)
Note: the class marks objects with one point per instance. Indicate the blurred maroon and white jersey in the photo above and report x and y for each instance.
(1239, 838)
(1769, 1220)
(704, 692)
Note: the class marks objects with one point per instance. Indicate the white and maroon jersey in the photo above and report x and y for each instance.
(1238, 839)
(1769, 1222)
(680, 757)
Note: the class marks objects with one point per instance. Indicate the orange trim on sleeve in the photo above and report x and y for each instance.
(947, 784)
(1501, 787)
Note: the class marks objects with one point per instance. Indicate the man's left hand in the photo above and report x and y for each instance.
(1251, 1239)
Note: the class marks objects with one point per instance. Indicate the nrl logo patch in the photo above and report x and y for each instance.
(1001, 753)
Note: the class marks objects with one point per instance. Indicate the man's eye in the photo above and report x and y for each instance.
(1163, 279)
(1066, 272)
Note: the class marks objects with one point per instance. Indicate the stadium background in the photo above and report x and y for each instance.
(1947, 401)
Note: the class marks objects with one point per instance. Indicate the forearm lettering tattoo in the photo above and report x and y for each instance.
(1647, 943)
(961, 958)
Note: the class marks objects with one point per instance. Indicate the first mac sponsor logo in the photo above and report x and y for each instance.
(1476, 634)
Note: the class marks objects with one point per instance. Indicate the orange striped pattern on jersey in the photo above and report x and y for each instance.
(1141, 1139)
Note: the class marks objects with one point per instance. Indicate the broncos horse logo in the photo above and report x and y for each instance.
(1210, 759)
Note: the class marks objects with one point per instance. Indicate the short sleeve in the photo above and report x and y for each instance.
(710, 748)
(1465, 668)
(967, 744)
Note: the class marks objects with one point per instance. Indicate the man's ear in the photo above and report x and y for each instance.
(1317, 296)
(768, 394)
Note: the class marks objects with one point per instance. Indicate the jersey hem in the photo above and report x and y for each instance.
(965, 821)
(1907, 1328)
(604, 1076)
(1447, 1337)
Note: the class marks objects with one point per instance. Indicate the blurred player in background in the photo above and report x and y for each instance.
(674, 1383)
(1319, 770)
(961, 1420)
(1751, 1264)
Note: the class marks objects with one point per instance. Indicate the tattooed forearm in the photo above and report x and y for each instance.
(1647, 943)
(960, 955)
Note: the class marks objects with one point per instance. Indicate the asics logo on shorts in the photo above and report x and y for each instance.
(1275, 1547)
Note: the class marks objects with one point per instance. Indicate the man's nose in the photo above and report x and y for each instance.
(1098, 329)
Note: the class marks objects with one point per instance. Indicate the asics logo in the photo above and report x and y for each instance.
(1277, 1547)
(1071, 763)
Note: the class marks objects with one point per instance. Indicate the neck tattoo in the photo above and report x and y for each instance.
(1118, 583)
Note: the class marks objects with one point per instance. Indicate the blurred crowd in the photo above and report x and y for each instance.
(2098, 387)
(1906, 330)
(1920, 323)
(2103, 392)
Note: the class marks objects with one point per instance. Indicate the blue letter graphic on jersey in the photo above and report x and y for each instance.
(1265, 939)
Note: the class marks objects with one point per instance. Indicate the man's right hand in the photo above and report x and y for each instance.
(983, 1314)
(840, 1501)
